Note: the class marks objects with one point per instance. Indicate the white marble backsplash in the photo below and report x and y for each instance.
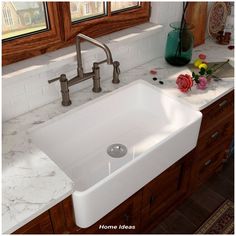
(32, 182)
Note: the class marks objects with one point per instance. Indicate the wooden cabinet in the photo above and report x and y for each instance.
(217, 111)
(142, 211)
(160, 193)
(40, 225)
(215, 135)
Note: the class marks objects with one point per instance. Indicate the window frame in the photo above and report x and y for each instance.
(126, 9)
(36, 44)
(63, 31)
(111, 22)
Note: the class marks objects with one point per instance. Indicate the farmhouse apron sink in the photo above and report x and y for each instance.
(114, 145)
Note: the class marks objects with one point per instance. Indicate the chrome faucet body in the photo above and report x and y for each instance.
(81, 76)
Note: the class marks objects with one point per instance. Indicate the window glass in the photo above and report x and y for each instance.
(117, 6)
(20, 18)
(83, 10)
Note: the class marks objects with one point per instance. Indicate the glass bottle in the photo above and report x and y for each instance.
(179, 44)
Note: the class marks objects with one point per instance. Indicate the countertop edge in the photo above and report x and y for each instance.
(215, 99)
(38, 213)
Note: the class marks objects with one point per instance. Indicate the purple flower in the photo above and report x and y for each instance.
(202, 83)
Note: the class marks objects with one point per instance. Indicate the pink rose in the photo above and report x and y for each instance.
(202, 83)
(184, 82)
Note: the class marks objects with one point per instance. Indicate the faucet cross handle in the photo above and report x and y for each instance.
(62, 78)
(116, 72)
(53, 80)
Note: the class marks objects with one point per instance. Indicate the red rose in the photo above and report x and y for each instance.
(202, 56)
(184, 82)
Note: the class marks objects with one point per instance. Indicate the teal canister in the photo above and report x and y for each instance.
(179, 44)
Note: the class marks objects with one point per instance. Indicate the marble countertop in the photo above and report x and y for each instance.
(32, 183)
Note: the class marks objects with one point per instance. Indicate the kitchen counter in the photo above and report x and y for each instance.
(32, 183)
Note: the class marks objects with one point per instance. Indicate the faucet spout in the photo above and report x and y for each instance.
(109, 59)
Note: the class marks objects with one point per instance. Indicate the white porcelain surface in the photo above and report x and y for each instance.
(25, 165)
(156, 129)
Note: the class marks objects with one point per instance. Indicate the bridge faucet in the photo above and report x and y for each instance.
(81, 76)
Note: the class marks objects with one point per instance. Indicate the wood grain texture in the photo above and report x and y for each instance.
(58, 218)
(40, 225)
(216, 133)
(36, 44)
(103, 25)
(196, 14)
(217, 111)
(173, 185)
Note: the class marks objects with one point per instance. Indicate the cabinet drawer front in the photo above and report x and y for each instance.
(208, 165)
(217, 111)
(216, 137)
(163, 187)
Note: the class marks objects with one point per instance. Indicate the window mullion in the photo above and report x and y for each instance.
(109, 8)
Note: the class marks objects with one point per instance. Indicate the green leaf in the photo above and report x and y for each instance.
(202, 71)
(196, 79)
(209, 71)
(193, 74)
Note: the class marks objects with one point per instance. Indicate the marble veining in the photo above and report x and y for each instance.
(32, 182)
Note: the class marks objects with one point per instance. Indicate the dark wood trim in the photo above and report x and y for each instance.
(41, 225)
(57, 218)
(36, 44)
(103, 25)
(63, 32)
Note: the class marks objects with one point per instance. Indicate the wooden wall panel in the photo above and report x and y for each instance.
(197, 15)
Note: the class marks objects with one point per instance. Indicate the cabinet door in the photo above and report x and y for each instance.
(162, 194)
(40, 225)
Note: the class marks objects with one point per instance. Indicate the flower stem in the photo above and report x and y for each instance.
(217, 68)
(182, 26)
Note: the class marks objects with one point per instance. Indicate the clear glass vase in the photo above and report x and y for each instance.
(179, 44)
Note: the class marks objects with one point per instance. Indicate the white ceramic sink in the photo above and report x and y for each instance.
(156, 129)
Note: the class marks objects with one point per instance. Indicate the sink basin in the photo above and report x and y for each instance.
(155, 129)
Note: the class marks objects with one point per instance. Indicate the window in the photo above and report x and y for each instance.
(28, 17)
(83, 10)
(7, 16)
(73, 7)
(120, 6)
(33, 28)
(86, 8)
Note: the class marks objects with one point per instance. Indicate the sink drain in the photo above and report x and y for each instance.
(117, 150)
